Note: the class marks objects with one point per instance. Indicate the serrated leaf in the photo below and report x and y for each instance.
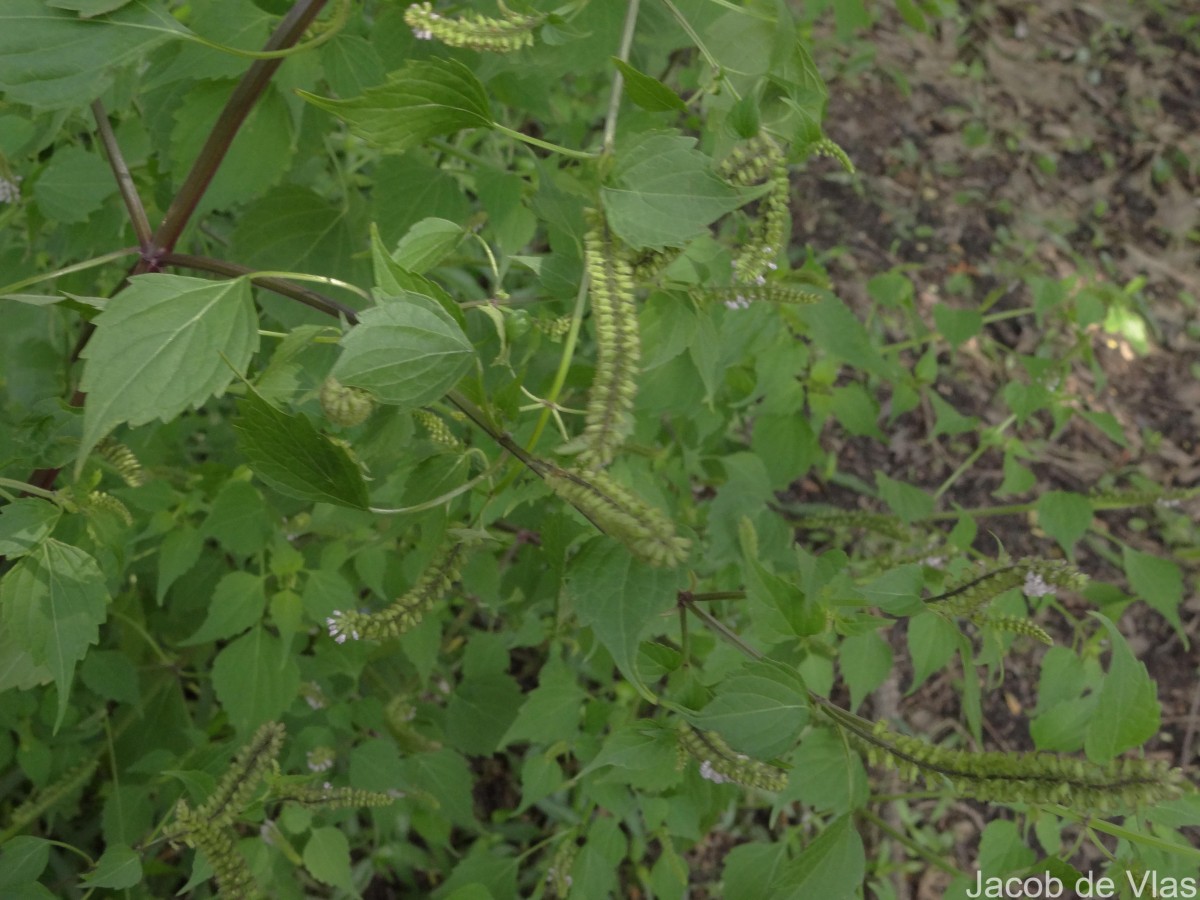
(53, 602)
(24, 524)
(255, 678)
(291, 456)
(760, 709)
(833, 775)
(551, 710)
(164, 344)
(237, 604)
(394, 282)
(648, 93)
(1156, 580)
(619, 597)
(423, 99)
(407, 354)
(118, 868)
(52, 59)
(831, 867)
(480, 712)
(1129, 701)
(74, 185)
(327, 858)
(1066, 516)
(663, 192)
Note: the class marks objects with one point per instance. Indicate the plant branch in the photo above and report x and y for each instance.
(614, 98)
(240, 102)
(133, 203)
(278, 285)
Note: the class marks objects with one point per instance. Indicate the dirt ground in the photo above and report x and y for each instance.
(1048, 139)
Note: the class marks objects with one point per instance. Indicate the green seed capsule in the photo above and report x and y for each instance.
(345, 406)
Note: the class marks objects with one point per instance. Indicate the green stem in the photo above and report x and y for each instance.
(983, 448)
(1117, 831)
(545, 145)
(908, 842)
(67, 270)
(700, 45)
(564, 362)
(932, 336)
(614, 97)
(26, 488)
(260, 275)
(336, 24)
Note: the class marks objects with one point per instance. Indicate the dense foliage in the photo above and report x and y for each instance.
(402, 409)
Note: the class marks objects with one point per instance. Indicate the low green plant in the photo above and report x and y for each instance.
(316, 491)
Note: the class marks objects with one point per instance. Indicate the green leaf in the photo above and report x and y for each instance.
(120, 867)
(480, 711)
(51, 59)
(619, 597)
(422, 100)
(1158, 581)
(23, 859)
(426, 244)
(802, 615)
(407, 354)
(408, 189)
(327, 858)
(179, 551)
(865, 660)
(749, 869)
(258, 157)
(760, 709)
(909, 502)
(290, 455)
(833, 776)
(88, 8)
(1065, 516)
(164, 344)
(74, 185)
(551, 710)
(237, 604)
(53, 602)
(1128, 700)
(648, 93)
(25, 524)
(957, 325)
(931, 642)
(663, 192)
(831, 867)
(839, 333)
(255, 678)
(745, 118)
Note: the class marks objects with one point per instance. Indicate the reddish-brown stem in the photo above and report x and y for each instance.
(133, 203)
(240, 102)
(281, 286)
(156, 246)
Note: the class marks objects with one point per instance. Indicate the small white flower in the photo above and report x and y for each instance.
(320, 759)
(423, 34)
(1168, 502)
(934, 562)
(10, 191)
(1035, 586)
(708, 772)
